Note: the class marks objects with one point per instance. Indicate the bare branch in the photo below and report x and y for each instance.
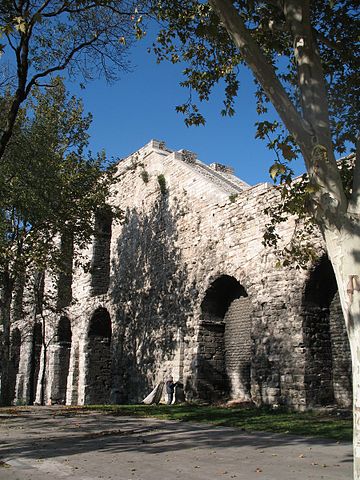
(326, 41)
(60, 66)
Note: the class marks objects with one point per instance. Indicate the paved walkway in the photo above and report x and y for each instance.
(41, 443)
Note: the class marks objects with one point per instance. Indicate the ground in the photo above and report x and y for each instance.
(55, 443)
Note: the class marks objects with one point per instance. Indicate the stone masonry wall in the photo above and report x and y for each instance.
(185, 226)
(238, 347)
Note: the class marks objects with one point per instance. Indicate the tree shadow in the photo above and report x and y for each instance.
(149, 289)
(38, 436)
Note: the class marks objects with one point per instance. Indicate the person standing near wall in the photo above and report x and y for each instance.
(170, 386)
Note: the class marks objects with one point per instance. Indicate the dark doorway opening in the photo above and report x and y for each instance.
(223, 366)
(98, 375)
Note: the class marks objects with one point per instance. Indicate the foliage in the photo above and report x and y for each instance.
(233, 197)
(192, 32)
(48, 189)
(162, 184)
(40, 38)
(317, 104)
(145, 176)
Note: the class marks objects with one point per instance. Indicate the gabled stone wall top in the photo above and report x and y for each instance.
(218, 174)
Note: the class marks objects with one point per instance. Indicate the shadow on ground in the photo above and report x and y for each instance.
(52, 432)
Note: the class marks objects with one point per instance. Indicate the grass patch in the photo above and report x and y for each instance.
(314, 424)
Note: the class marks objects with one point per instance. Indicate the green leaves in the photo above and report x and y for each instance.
(20, 24)
(277, 169)
(48, 187)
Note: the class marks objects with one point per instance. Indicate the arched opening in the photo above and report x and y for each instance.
(37, 342)
(61, 361)
(100, 268)
(327, 351)
(99, 358)
(64, 281)
(15, 347)
(224, 341)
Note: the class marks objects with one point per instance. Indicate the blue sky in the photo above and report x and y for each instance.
(141, 106)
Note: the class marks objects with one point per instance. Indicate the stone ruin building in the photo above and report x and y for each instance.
(184, 286)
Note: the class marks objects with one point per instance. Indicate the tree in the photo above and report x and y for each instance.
(43, 37)
(304, 61)
(49, 191)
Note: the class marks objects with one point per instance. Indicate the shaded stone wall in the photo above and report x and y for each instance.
(238, 347)
(59, 362)
(98, 371)
(318, 374)
(149, 287)
(98, 359)
(341, 360)
(327, 351)
(35, 363)
(15, 349)
(212, 382)
(64, 281)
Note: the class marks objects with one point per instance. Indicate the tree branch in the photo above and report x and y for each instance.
(263, 71)
(61, 66)
(321, 164)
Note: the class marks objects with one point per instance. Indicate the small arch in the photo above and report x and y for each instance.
(321, 286)
(64, 333)
(37, 342)
(224, 341)
(15, 347)
(100, 324)
(100, 268)
(98, 369)
(218, 297)
(61, 361)
(327, 353)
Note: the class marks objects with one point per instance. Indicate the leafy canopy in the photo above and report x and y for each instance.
(48, 187)
(191, 32)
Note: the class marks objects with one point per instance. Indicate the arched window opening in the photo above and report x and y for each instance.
(100, 324)
(64, 330)
(100, 268)
(321, 286)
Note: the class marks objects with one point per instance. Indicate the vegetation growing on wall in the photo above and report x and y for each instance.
(162, 184)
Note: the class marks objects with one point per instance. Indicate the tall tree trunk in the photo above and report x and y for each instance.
(43, 375)
(5, 313)
(344, 251)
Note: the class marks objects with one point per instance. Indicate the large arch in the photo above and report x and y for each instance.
(327, 352)
(37, 341)
(98, 369)
(224, 341)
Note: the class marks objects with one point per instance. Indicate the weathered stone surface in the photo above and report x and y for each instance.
(190, 290)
